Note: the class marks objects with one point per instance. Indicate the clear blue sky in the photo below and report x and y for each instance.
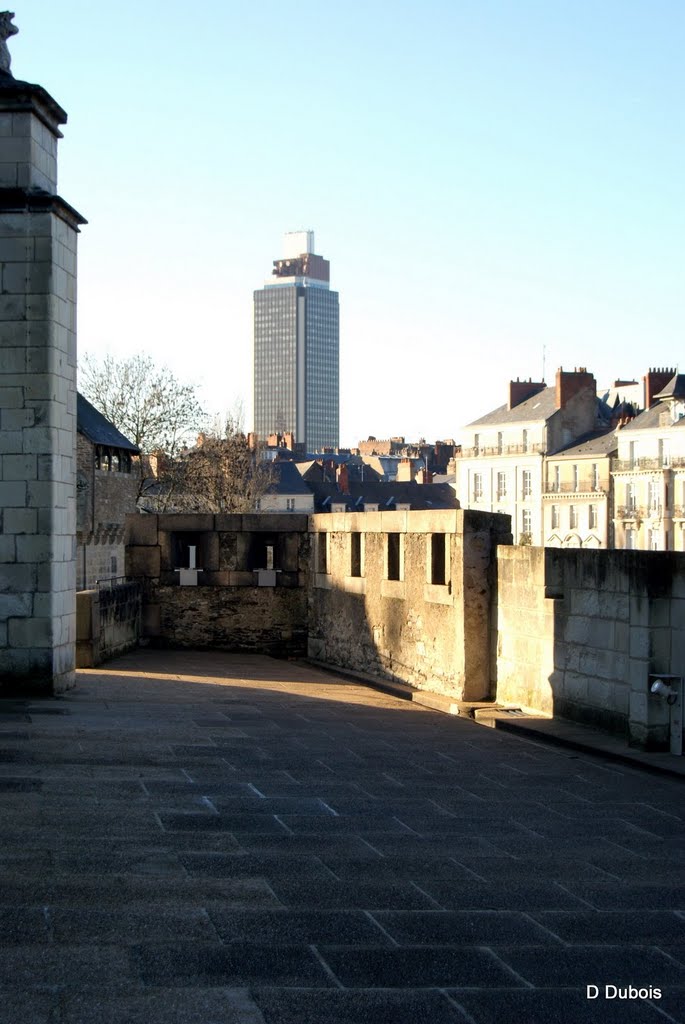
(487, 177)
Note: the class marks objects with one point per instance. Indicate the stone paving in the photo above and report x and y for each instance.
(214, 839)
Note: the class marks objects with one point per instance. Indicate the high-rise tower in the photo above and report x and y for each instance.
(296, 348)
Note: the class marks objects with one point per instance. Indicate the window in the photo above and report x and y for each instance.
(476, 443)
(501, 486)
(525, 440)
(631, 497)
(653, 496)
(527, 522)
(592, 518)
(438, 574)
(631, 454)
(477, 486)
(573, 517)
(355, 554)
(322, 553)
(394, 556)
(576, 478)
(499, 442)
(557, 479)
(527, 478)
(257, 504)
(290, 504)
(631, 540)
(595, 476)
(555, 517)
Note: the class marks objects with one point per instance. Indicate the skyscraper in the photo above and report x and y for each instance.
(296, 348)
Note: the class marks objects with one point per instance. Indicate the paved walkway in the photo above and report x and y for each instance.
(213, 839)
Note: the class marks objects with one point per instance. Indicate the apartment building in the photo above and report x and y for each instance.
(576, 497)
(649, 473)
(502, 464)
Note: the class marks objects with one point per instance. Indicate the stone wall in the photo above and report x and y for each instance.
(228, 609)
(103, 500)
(580, 632)
(108, 622)
(430, 627)
(38, 233)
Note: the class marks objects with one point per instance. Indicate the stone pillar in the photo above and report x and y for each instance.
(38, 232)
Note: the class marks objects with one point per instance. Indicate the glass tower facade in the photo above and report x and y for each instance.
(296, 349)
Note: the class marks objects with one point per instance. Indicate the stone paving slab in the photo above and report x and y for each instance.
(216, 838)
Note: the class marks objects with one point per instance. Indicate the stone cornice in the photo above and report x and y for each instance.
(16, 97)
(19, 200)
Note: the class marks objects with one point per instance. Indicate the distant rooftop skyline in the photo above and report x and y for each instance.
(499, 186)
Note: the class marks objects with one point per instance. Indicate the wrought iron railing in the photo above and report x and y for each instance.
(505, 449)
(566, 488)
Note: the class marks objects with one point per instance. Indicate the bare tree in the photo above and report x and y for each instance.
(222, 473)
(147, 403)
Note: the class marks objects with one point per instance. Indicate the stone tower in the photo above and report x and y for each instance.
(38, 232)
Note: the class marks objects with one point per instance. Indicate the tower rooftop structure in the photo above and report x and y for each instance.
(296, 348)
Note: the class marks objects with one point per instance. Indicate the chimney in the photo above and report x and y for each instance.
(343, 479)
(424, 476)
(571, 383)
(520, 390)
(655, 380)
(405, 470)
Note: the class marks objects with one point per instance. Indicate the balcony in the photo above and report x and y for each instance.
(580, 492)
(631, 512)
(635, 465)
(486, 451)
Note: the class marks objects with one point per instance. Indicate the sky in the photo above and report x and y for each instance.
(498, 185)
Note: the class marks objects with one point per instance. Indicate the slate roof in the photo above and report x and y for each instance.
(537, 407)
(675, 388)
(592, 444)
(96, 428)
(287, 479)
(386, 494)
(651, 417)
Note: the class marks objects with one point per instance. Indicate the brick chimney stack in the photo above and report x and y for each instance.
(405, 470)
(571, 383)
(343, 479)
(520, 390)
(655, 380)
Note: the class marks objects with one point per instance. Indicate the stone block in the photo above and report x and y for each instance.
(141, 530)
(209, 552)
(660, 612)
(11, 442)
(12, 494)
(584, 602)
(11, 398)
(30, 632)
(20, 520)
(185, 523)
(17, 606)
(638, 674)
(8, 551)
(228, 522)
(17, 419)
(35, 548)
(660, 650)
(87, 615)
(622, 637)
(639, 642)
(143, 561)
(639, 610)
